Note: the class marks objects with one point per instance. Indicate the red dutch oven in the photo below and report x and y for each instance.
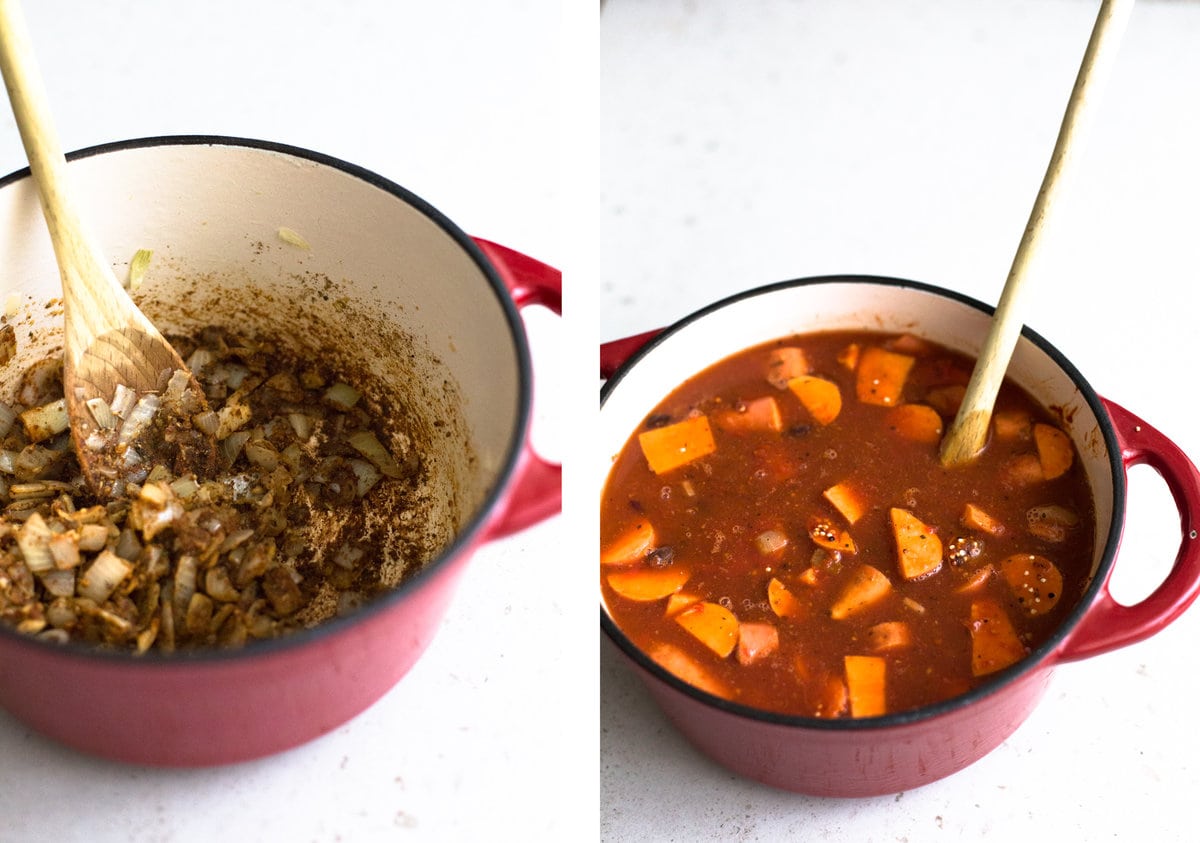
(256, 236)
(895, 752)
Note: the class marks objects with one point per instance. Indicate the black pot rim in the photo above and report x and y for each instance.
(463, 540)
(1031, 663)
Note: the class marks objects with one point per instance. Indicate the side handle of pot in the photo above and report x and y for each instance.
(537, 483)
(613, 354)
(1109, 625)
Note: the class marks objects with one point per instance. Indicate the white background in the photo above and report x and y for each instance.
(747, 143)
(458, 102)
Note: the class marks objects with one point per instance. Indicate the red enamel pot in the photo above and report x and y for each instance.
(364, 272)
(888, 754)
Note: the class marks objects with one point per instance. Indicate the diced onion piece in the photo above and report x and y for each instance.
(123, 400)
(47, 420)
(207, 423)
(34, 541)
(185, 487)
(64, 548)
(92, 537)
(232, 417)
(139, 419)
(200, 358)
(102, 413)
(104, 575)
(288, 235)
(7, 417)
(138, 266)
(7, 462)
(232, 445)
(302, 425)
(365, 474)
(262, 453)
(342, 395)
(365, 442)
(58, 582)
(177, 386)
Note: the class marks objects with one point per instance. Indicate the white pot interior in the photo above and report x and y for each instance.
(763, 315)
(381, 286)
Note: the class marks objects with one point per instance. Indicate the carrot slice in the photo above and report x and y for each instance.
(866, 680)
(918, 422)
(830, 537)
(882, 375)
(712, 624)
(679, 601)
(1022, 470)
(782, 601)
(756, 641)
(786, 363)
(1055, 451)
(833, 698)
(919, 550)
(677, 444)
(809, 576)
(865, 586)
(994, 642)
(755, 415)
(1035, 580)
(673, 659)
(889, 635)
(847, 500)
(978, 519)
(976, 579)
(647, 584)
(820, 397)
(630, 546)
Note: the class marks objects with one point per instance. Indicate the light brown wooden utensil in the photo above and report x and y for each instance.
(108, 341)
(968, 434)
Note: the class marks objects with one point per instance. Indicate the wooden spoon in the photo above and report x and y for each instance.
(110, 346)
(968, 434)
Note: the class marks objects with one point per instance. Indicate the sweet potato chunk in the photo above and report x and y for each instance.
(994, 641)
(677, 444)
(977, 519)
(866, 681)
(848, 356)
(918, 422)
(647, 584)
(830, 537)
(672, 659)
(1055, 451)
(918, 549)
(712, 624)
(1035, 580)
(756, 415)
(756, 641)
(679, 601)
(881, 376)
(865, 586)
(821, 398)
(847, 500)
(630, 546)
(1011, 425)
(782, 601)
(832, 698)
(786, 363)
(946, 399)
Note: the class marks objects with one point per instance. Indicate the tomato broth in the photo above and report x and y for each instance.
(779, 530)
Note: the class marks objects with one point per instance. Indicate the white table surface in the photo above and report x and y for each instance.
(747, 143)
(458, 102)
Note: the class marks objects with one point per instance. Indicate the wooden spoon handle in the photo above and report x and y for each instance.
(87, 278)
(968, 434)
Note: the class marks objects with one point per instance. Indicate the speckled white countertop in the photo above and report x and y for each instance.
(747, 143)
(457, 102)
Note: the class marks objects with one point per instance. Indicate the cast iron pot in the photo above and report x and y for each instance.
(895, 752)
(364, 272)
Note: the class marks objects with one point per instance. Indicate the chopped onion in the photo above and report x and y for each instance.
(47, 420)
(207, 423)
(64, 548)
(138, 266)
(58, 582)
(342, 395)
(8, 461)
(232, 445)
(200, 358)
(34, 541)
(102, 413)
(177, 386)
(92, 537)
(139, 419)
(302, 425)
(262, 453)
(104, 575)
(366, 475)
(123, 400)
(7, 417)
(288, 235)
(365, 442)
(230, 418)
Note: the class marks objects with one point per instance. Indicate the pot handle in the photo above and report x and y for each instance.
(537, 484)
(613, 354)
(1108, 625)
